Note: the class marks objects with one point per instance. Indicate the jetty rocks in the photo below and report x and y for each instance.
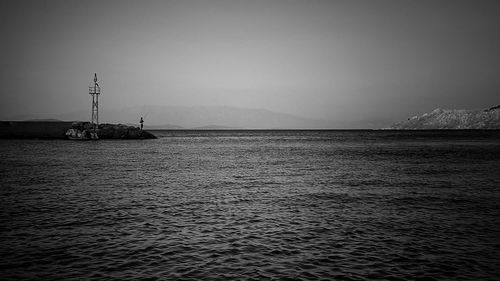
(114, 131)
(55, 129)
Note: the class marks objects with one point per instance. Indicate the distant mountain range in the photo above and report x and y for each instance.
(200, 117)
(453, 119)
(225, 117)
(217, 117)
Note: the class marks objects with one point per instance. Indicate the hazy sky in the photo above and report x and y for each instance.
(334, 60)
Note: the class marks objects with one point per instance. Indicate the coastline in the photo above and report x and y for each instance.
(57, 130)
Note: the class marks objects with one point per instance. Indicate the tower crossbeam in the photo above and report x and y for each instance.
(95, 91)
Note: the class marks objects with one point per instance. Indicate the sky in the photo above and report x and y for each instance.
(344, 61)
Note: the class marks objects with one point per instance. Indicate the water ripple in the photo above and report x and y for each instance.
(268, 205)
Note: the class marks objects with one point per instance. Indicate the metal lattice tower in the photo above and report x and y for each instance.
(95, 91)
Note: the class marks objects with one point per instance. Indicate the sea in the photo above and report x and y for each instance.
(253, 205)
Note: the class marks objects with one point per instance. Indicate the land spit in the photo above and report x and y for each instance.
(58, 129)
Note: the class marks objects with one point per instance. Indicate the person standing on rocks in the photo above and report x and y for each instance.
(142, 121)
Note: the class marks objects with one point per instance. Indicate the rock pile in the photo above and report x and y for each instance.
(114, 131)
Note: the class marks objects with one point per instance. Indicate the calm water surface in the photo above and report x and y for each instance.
(253, 205)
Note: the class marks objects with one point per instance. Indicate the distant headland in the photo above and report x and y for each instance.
(55, 129)
(454, 119)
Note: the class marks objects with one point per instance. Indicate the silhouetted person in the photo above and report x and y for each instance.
(142, 121)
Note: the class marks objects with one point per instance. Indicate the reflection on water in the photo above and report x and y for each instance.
(253, 205)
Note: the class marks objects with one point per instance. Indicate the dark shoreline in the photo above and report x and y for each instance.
(57, 130)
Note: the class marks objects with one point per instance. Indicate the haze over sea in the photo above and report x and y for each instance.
(253, 205)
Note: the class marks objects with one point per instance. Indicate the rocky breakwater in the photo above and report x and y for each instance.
(111, 131)
(36, 129)
(55, 129)
(458, 119)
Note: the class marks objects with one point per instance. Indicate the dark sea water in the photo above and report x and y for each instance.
(253, 205)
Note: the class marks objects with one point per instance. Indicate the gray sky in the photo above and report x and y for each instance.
(333, 60)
